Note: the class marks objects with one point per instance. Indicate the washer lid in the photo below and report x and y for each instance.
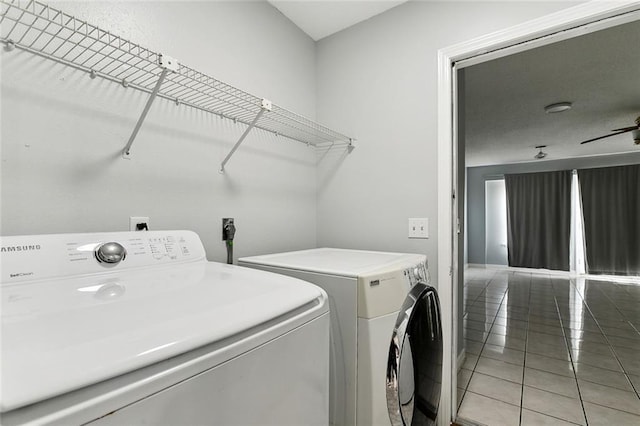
(343, 262)
(60, 335)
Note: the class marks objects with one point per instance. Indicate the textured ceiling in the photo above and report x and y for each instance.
(505, 99)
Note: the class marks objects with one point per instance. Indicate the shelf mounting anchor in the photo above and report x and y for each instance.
(265, 105)
(167, 64)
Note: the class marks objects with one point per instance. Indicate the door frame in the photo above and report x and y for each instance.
(568, 23)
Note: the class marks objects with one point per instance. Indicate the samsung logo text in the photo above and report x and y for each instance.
(10, 249)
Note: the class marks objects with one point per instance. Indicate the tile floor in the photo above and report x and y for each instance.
(547, 350)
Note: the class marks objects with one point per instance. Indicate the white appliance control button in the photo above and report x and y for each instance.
(111, 252)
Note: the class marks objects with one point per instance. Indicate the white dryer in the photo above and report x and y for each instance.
(138, 328)
(386, 341)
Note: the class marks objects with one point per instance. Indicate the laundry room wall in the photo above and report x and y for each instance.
(62, 133)
(378, 82)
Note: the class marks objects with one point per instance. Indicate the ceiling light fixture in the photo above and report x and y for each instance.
(557, 107)
(540, 155)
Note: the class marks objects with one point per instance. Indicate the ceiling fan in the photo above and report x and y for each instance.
(635, 129)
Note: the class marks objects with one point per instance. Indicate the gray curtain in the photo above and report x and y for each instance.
(611, 207)
(539, 219)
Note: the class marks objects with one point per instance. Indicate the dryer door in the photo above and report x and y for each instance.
(414, 368)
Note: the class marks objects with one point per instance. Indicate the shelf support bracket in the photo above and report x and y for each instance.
(264, 106)
(167, 64)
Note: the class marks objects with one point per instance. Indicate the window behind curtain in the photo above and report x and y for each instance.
(611, 208)
(495, 214)
(539, 219)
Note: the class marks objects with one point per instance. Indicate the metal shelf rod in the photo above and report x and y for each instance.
(266, 106)
(127, 149)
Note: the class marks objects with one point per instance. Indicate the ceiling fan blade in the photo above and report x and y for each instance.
(626, 129)
(608, 136)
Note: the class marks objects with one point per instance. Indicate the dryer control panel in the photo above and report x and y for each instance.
(383, 291)
(418, 273)
(33, 257)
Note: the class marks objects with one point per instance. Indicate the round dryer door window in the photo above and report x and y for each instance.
(414, 368)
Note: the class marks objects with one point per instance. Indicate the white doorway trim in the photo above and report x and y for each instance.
(568, 23)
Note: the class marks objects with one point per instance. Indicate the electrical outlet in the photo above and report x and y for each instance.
(418, 227)
(134, 221)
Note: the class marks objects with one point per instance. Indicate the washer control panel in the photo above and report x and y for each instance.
(110, 252)
(46, 256)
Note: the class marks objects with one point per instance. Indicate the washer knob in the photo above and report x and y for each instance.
(111, 252)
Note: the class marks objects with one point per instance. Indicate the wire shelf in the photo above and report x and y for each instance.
(42, 30)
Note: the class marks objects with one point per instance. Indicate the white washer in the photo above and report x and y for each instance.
(138, 328)
(371, 296)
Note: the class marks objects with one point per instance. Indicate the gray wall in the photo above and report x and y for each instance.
(62, 133)
(476, 177)
(378, 82)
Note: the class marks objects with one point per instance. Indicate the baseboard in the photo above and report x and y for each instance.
(623, 279)
(547, 272)
(551, 272)
(476, 265)
(620, 279)
(497, 266)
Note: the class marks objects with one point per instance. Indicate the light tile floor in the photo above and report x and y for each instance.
(547, 350)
